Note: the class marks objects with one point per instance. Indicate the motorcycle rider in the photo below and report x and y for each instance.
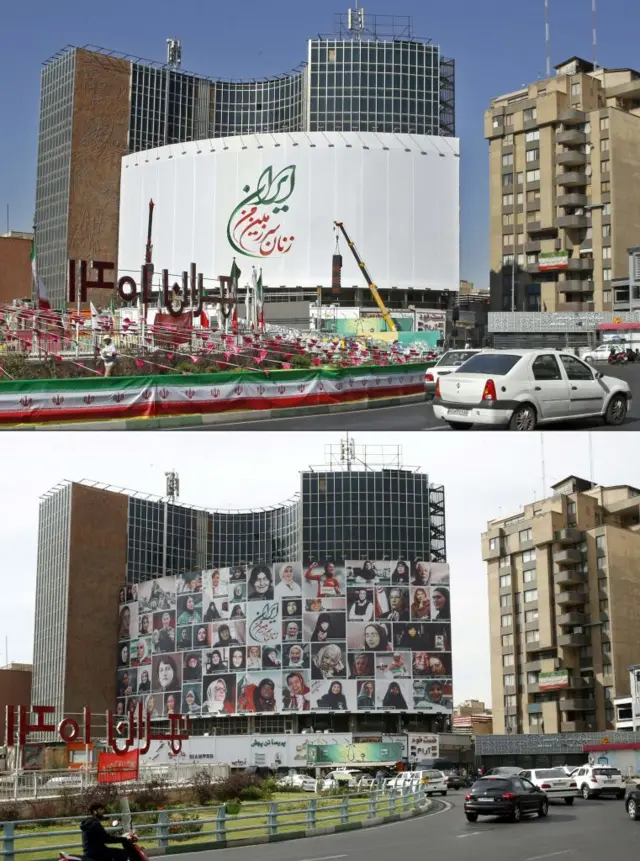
(96, 840)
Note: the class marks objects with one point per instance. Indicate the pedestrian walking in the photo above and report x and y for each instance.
(109, 355)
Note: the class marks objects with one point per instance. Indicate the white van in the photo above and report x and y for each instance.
(433, 781)
(596, 780)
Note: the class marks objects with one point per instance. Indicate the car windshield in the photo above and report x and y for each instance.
(546, 773)
(491, 783)
(454, 358)
(606, 772)
(493, 364)
(432, 774)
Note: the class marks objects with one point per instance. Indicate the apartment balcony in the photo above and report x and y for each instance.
(572, 179)
(535, 648)
(575, 198)
(536, 227)
(534, 708)
(576, 619)
(572, 599)
(576, 704)
(580, 264)
(571, 137)
(573, 285)
(575, 306)
(572, 117)
(573, 222)
(573, 726)
(567, 556)
(567, 578)
(577, 683)
(533, 689)
(532, 666)
(567, 536)
(571, 158)
(573, 641)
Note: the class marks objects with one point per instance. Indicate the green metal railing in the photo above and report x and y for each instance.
(214, 824)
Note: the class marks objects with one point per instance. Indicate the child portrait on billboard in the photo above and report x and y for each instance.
(128, 622)
(393, 665)
(288, 581)
(219, 694)
(295, 691)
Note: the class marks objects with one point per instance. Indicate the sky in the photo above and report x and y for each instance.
(498, 46)
(492, 475)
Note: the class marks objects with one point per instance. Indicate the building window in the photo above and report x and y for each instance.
(533, 135)
(532, 636)
(604, 124)
(520, 177)
(604, 606)
(533, 195)
(532, 259)
(507, 159)
(505, 600)
(606, 209)
(505, 580)
(507, 179)
(601, 542)
(606, 649)
(525, 535)
(530, 595)
(507, 640)
(496, 122)
(575, 88)
(507, 219)
(606, 628)
(529, 114)
(507, 200)
(507, 140)
(508, 660)
(529, 575)
(606, 275)
(507, 260)
(506, 621)
(529, 555)
(605, 166)
(510, 701)
(605, 187)
(505, 562)
(608, 692)
(507, 239)
(606, 230)
(604, 144)
(571, 508)
(509, 680)
(533, 155)
(533, 216)
(533, 175)
(532, 678)
(520, 258)
(606, 252)
(530, 616)
(508, 119)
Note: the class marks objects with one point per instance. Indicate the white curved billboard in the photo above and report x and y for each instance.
(270, 201)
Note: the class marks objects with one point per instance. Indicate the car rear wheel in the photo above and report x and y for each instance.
(585, 792)
(632, 809)
(569, 801)
(516, 816)
(523, 418)
(544, 808)
(616, 413)
(471, 817)
(460, 425)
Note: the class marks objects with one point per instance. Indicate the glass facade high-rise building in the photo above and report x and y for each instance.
(373, 77)
(95, 542)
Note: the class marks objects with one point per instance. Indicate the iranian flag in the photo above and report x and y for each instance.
(43, 302)
(260, 301)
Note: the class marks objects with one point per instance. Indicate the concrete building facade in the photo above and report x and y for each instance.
(564, 608)
(15, 266)
(15, 690)
(564, 163)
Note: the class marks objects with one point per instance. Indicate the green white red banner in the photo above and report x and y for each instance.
(24, 402)
(551, 260)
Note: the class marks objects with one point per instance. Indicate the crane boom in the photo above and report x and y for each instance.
(386, 316)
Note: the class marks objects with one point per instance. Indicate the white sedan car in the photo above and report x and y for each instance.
(446, 364)
(555, 782)
(521, 389)
(602, 351)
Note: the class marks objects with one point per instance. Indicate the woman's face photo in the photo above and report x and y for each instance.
(165, 674)
(295, 684)
(254, 652)
(166, 620)
(295, 654)
(336, 688)
(291, 608)
(371, 637)
(144, 625)
(439, 599)
(141, 650)
(287, 574)
(237, 659)
(261, 583)
(219, 690)
(201, 635)
(124, 655)
(144, 678)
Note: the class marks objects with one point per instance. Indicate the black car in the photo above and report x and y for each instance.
(514, 797)
(454, 781)
(632, 803)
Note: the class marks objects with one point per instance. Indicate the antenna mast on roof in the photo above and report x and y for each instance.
(355, 22)
(547, 36)
(174, 53)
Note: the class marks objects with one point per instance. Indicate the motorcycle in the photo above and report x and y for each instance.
(618, 358)
(131, 836)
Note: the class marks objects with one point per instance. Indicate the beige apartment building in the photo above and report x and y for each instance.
(564, 608)
(564, 157)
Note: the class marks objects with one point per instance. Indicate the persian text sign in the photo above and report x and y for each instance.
(116, 767)
(123, 734)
